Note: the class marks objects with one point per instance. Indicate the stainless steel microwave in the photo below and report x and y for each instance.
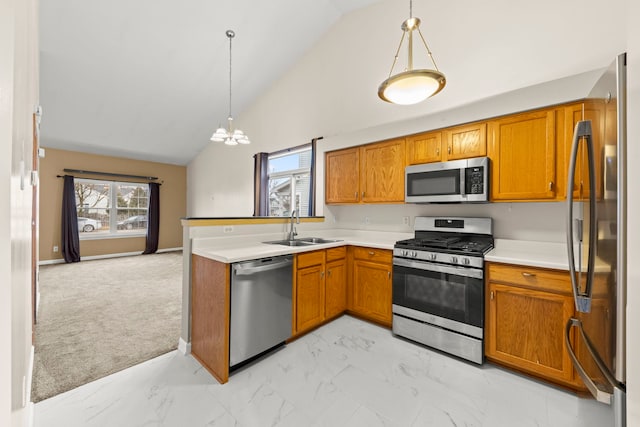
(458, 181)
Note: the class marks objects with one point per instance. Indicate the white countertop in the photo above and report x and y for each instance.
(242, 248)
(536, 254)
(246, 247)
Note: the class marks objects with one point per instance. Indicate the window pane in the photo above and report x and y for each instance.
(132, 201)
(92, 204)
(298, 160)
(280, 197)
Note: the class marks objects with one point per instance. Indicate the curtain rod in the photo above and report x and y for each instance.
(119, 175)
(105, 179)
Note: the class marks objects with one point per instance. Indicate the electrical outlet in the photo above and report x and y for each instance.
(367, 221)
(55, 249)
(405, 220)
(228, 229)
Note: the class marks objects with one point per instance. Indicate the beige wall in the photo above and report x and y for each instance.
(173, 200)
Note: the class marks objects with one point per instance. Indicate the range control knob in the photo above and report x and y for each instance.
(433, 257)
(454, 259)
(414, 254)
(405, 253)
(465, 261)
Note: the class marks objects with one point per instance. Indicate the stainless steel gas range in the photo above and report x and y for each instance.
(438, 285)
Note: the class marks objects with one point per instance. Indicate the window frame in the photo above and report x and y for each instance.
(114, 232)
(291, 174)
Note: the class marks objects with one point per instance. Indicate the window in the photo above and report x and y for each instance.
(290, 181)
(108, 209)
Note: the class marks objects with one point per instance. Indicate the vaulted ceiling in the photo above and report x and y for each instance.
(148, 79)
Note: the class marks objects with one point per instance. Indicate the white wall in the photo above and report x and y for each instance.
(633, 213)
(485, 49)
(18, 95)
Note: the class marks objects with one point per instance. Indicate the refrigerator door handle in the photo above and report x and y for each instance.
(582, 299)
(600, 395)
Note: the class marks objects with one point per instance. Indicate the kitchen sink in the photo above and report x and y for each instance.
(304, 241)
(289, 242)
(318, 240)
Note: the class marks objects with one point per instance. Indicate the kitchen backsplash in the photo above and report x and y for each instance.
(520, 221)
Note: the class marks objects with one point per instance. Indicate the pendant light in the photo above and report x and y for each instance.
(230, 136)
(411, 86)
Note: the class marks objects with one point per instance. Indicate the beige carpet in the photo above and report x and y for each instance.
(102, 316)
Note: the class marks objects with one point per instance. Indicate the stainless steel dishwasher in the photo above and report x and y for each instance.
(260, 307)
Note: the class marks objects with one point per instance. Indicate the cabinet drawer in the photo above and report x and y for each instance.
(310, 258)
(531, 277)
(336, 253)
(381, 255)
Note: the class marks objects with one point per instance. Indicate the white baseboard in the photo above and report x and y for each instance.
(184, 347)
(122, 254)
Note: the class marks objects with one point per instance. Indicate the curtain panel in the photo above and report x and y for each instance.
(153, 219)
(70, 238)
(261, 184)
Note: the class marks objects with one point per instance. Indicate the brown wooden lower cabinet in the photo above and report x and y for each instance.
(371, 286)
(526, 312)
(320, 287)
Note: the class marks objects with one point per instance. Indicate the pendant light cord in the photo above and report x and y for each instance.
(410, 8)
(230, 34)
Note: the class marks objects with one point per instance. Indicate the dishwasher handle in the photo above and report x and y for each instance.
(246, 269)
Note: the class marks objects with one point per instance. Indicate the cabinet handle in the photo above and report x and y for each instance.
(322, 274)
(355, 195)
(437, 151)
(550, 185)
(449, 149)
(363, 194)
(328, 272)
(372, 253)
(491, 295)
(525, 274)
(389, 274)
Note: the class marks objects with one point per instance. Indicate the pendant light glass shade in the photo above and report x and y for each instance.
(230, 136)
(411, 86)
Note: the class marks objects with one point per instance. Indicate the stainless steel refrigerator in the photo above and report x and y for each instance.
(596, 241)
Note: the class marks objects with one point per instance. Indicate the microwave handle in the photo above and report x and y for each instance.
(463, 183)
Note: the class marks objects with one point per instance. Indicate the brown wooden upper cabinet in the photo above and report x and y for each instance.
(460, 142)
(372, 173)
(342, 176)
(593, 110)
(523, 148)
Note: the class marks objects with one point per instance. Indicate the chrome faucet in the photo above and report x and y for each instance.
(292, 230)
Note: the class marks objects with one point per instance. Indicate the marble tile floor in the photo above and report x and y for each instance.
(347, 373)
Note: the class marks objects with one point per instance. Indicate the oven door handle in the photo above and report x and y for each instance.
(439, 268)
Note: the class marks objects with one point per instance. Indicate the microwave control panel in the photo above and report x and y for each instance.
(474, 180)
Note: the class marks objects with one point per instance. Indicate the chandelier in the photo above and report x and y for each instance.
(230, 136)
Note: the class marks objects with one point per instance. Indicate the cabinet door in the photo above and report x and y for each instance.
(588, 110)
(372, 290)
(309, 297)
(523, 153)
(526, 330)
(342, 176)
(464, 142)
(382, 172)
(335, 288)
(424, 148)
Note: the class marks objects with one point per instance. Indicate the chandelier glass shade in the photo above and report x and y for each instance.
(230, 136)
(411, 85)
